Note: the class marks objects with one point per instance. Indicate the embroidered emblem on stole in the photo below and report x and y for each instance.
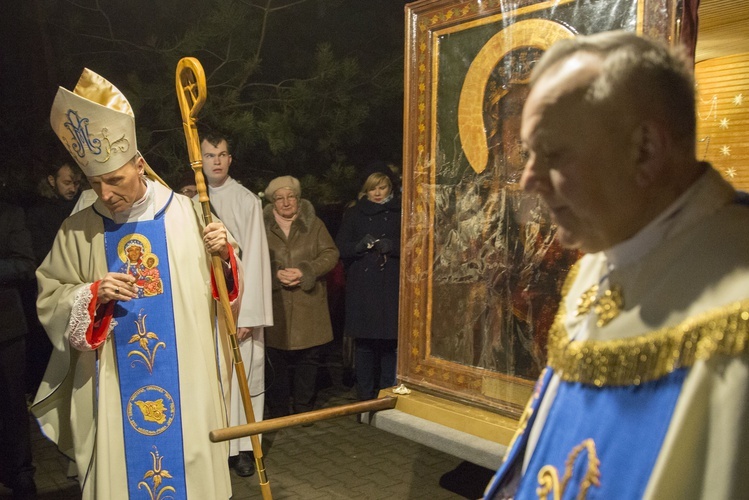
(147, 361)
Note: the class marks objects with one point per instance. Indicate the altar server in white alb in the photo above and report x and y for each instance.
(242, 212)
(646, 390)
(134, 385)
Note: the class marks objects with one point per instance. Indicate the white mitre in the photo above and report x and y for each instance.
(95, 123)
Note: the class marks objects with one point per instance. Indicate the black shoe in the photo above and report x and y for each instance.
(242, 464)
(348, 379)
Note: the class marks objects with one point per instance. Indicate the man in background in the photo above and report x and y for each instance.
(242, 213)
(646, 389)
(58, 194)
(16, 268)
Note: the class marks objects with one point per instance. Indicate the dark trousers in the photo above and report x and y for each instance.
(376, 361)
(15, 436)
(291, 375)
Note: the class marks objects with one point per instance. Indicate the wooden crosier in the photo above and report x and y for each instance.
(191, 94)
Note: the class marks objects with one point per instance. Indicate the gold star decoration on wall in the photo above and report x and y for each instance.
(717, 129)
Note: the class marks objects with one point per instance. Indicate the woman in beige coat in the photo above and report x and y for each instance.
(301, 253)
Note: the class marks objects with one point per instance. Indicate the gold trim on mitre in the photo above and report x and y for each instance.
(95, 123)
(644, 358)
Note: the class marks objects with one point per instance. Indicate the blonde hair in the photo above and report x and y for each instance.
(373, 181)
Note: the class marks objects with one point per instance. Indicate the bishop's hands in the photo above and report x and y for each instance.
(216, 240)
(116, 286)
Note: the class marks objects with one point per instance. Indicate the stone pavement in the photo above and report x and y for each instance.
(333, 459)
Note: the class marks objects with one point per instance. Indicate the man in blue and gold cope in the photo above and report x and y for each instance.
(646, 389)
(134, 384)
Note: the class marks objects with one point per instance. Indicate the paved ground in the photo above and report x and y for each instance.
(334, 459)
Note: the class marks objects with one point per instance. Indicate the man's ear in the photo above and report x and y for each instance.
(51, 181)
(650, 142)
(140, 165)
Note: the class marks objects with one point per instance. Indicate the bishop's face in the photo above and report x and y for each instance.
(120, 189)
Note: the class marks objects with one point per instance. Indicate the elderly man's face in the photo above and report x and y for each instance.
(120, 189)
(580, 160)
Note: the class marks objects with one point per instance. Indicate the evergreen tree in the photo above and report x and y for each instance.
(309, 88)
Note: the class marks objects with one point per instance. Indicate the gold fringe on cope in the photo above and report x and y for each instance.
(636, 360)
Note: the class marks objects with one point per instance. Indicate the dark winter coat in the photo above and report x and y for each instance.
(372, 277)
(44, 219)
(300, 314)
(16, 269)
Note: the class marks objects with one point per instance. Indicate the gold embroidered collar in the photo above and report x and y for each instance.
(636, 360)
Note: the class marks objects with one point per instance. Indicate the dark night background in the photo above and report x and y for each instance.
(312, 88)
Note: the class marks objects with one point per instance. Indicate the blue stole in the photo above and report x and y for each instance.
(603, 440)
(514, 456)
(147, 361)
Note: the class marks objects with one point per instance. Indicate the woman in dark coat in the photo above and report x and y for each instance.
(369, 243)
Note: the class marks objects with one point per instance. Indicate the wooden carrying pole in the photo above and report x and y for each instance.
(252, 429)
(191, 94)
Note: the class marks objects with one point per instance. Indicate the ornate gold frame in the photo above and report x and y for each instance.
(428, 23)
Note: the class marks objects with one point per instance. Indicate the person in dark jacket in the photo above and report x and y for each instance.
(369, 243)
(16, 268)
(58, 193)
